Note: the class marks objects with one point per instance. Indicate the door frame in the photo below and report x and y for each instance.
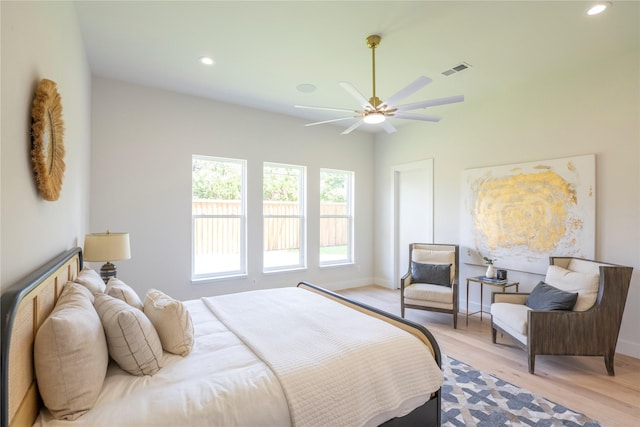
(396, 170)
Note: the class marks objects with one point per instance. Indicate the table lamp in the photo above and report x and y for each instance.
(106, 247)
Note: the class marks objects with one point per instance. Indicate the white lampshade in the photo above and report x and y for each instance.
(105, 247)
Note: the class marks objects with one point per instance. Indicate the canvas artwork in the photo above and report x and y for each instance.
(523, 213)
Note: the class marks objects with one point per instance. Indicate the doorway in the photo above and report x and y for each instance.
(413, 211)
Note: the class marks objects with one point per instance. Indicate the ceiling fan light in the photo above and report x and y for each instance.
(374, 118)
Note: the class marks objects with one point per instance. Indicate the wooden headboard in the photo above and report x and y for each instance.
(24, 306)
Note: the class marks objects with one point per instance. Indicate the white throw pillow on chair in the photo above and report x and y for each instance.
(585, 284)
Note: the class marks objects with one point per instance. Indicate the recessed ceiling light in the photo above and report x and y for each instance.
(598, 8)
(306, 87)
(206, 60)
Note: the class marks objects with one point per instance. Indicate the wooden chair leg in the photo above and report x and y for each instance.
(608, 362)
(532, 362)
(455, 320)
(493, 335)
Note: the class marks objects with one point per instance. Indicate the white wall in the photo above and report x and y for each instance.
(143, 140)
(595, 110)
(41, 40)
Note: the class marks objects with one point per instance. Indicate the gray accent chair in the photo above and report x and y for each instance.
(422, 295)
(590, 329)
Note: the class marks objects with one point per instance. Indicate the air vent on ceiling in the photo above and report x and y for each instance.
(460, 67)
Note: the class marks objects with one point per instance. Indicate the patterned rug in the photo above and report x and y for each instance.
(475, 398)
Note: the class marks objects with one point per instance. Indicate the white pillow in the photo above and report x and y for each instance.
(172, 322)
(91, 280)
(131, 338)
(585, 284)
(118, 289)
(70, 354)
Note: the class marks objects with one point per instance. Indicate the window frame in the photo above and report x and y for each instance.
(350, 216)
(242, 270)
(301, 216)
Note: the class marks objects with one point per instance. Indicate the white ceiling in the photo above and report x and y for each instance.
(264, 49)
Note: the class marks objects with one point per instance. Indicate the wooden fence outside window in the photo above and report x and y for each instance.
(222, 234)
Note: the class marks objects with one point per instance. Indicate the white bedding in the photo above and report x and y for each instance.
(337, 366)
(224, 382)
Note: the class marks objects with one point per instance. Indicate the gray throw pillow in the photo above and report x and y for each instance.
(435, 274)
(547, 297)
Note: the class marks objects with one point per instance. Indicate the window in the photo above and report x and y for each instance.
(218, 217)
(283, 209)
(336, 217)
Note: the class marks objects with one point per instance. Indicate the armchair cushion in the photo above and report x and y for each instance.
(510, 316)
(436, 274)
(428, 292)
(547, 297)
(585, 284)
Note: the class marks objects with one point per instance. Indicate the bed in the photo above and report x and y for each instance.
(294, 396)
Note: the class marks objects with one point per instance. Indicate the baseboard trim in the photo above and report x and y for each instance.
(628, 348)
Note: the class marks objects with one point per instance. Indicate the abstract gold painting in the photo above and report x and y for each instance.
(523, 213)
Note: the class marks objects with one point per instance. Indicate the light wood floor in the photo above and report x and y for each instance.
(579, 383)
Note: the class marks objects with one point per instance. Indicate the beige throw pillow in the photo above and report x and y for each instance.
(585, 284)
(70, 354)
(118, 289)
(91, 280)
(131, 338)
(172, 321)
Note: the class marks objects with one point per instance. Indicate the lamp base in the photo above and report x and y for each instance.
(107, 271)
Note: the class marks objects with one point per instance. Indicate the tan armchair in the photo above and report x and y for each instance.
(590, 329)
(432, 280)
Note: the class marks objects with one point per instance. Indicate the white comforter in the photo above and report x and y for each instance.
(224, 382)
(337, 366)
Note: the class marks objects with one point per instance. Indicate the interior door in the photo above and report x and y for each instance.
(413, 202)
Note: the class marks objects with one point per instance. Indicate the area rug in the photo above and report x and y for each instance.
(475, 398)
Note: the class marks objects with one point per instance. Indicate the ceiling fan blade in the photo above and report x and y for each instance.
(364, 102)
(311, 107)
(430, 103)
(411, 116)
(414, 86)
(330, 121)
(388, 127)
(353, 127)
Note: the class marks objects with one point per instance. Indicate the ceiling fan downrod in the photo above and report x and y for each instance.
(372, 42)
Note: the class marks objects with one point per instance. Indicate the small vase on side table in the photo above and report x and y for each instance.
(491, 272)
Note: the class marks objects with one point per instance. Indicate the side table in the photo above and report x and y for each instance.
(482, 280)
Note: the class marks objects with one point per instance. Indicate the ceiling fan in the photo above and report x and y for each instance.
(376, 111)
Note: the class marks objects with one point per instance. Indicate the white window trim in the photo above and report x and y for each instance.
(242, 271)
(350, 222)
(302, 238)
